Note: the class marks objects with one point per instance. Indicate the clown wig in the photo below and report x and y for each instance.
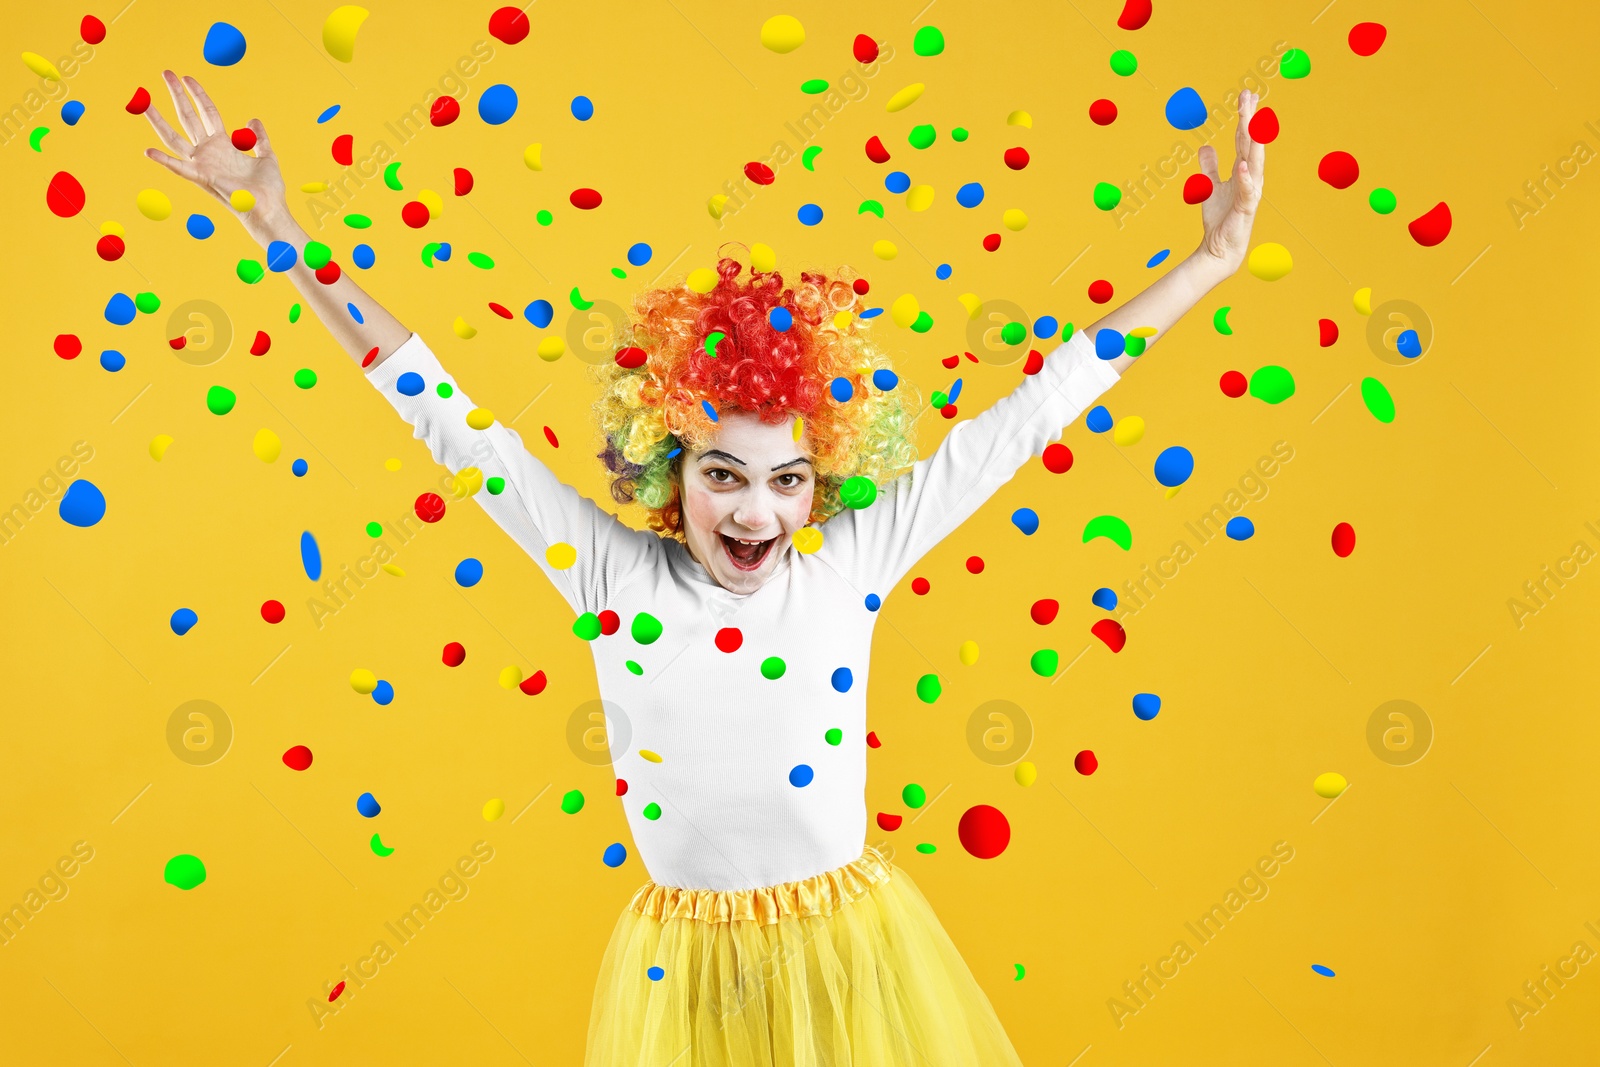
(651, 413)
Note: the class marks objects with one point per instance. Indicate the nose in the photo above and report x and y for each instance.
(754, 511)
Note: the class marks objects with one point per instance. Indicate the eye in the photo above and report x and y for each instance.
(714, 471)
(799, 480)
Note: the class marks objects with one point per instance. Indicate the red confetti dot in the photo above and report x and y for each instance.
(1433, 227)
(1111, 632)
(1085, 763)
(975, 564)
(610, 621)
(501, 310)
(328, 273)
(272, 611)
(872, 739)
(336, 991)
(64, 195)
(445, 110)
(1030, 366)
(1135, 13)
(535, 685)
(585, 199)
(631, 357)
(1100, 290)
(875, 150)
(1057, 458)
(860, 287)
(455, 654)
(178, 342)
(759, 173)
(550, 435)
(344, 149)
(261, 344)
(415, 214)
(1264, 126)
(948, 411)
(509, 24)
(1327, 332)
(110, 248)
(864, 48)
(729, 638)
(92, 30)
(991, 242)
(297, 758)
(1339, 169)
(984, 831)
(1196, 189)
(1044, 611)
(951, 361)
(1344, 539)
(68, 346)
(919, 586)
(463, 181)
(1016, 158)
(429, 507)
(1367, 37)
(622, 787)
(889, 823)
(372, 354)
(139, 102)
(1102, 112)
(1234, 384)
(244, 138)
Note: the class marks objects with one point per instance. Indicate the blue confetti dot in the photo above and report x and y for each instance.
(674, 452)
(1240, 528)
(1326, 972)
(1105, 599)
(469, 572)
(897, 181)
(842, 678)
(281, 256)
(711, 412)
(120, 309)
(871, 313)
(1185, 109)
(810, 214)
(1174, 466)
(442, 253)
(955, 390)
(328, 114)
(655, 974)
(410, 383)
(970, 195)
(367, 805)
(539, 313)
(71, 112)
(183, 621)
(780, 319)
(841, 389)
(582, 108)
(1159, 258)
(942, 272)
(1109, 344)
(299, 467)
(200, 227)
(874, 602)
(1026, 520)
(112, 360)
(1045, 327)
(1146, 705)
(885, 379)
(383, 693)
(310, 556)
(1408, 344)
(615, 855)
(224, 45)
(83, 504)
(497, 104)
(640, 254)
(1098, 420)
(801, 775)
(363, 256)
(355, 313)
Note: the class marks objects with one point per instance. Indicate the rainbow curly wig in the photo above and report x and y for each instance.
(648, 411)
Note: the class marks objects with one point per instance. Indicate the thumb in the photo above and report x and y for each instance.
(1208, 164)
(263, 142)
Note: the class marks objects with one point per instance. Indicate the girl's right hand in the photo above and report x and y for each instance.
(207, 157)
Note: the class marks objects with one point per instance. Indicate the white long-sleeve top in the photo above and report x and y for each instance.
(727, 736)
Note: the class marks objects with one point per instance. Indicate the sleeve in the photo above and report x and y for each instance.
(874, 547)
(534, 507)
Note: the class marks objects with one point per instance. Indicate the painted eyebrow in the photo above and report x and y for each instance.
(740, 462)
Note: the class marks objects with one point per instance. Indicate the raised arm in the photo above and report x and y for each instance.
(532, 505)
(874, 548)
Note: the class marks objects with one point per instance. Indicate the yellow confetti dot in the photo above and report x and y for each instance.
(363, 681)
(551, 348)
(1329, 785)
(1142, 331)
(1128, 431)
(905, 97)
(493, 809)
(394, 569)
(782, 34)
(799, 427)
(763, 258)
(885, 249)
(1364, 300)
(158, 446)
(716, 204)
(533, 156)
(971, 302)
(434, 204)
(41, 66)
(1020, 118)
(510, 677)
(267, 445)
(242, 200)
(561, 555)
(467, 481)
(480, 418)
(646, 754)
(112, 228)
(702, 280)
(314, 187)
(842, 320)
(968, 653)
(904, 311)
(807, 539)
(1026, 773)
(919, 198)
(1014, 219)
(153, 204)
(1269, 261)
(339, 31)
(463, 330)
(1173, 491)
(391, 464)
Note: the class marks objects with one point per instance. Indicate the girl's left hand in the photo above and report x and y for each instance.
(1230, 212)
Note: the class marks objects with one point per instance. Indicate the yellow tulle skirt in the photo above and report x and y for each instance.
(849, 968)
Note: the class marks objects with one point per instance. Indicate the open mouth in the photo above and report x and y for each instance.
(746, 555)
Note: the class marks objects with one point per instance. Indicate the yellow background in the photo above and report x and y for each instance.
(1434, 890)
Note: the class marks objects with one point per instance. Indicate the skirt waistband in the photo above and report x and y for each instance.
(821, 894)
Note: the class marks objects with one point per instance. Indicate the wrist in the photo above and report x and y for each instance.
(1209, 269)
(268, 222)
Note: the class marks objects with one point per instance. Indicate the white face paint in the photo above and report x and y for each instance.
(755, 483)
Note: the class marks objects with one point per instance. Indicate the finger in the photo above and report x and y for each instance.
(182, 167)
(1247, 186)
(1208, 164)
(210, 117)
(1241, 136)
(263, 142)
(183, 108)
(178, 146)
(1258, 161)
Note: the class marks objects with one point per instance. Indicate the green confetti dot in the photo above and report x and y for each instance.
(572, 802)
(294, 314)
(959, 134)
(913, 795)
(813, 86)
(250, 271)
(618, 272)
(497, 485)
(1382, 201)
(1272, 384)
(1219, 320)
(544, 218)
(481, 261)
(1294, 64)
(928, 688)
(427, 253)
(184, 871)
(578, 301)
(1044, 662)
(1124, 62)
(1133, 346)
(445, 390)
(1106, 196)
(374, 529)
(870, 205)
(317, 255)
(1376, 396)
(357, 222)
(772, 668)
(587, 626)
(940, 399)
(652, 811)
(635, 667)
(923, 324)
(833, 736)
(147, 302)
(925, 848)
(922, 136)
(305, 377)
(858, 492)
(1066, 332)
(391, 176)
(1013, 333)
(646, 628)
(220, 400)
(928, 41)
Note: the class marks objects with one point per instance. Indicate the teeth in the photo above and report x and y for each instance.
(742, 541)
